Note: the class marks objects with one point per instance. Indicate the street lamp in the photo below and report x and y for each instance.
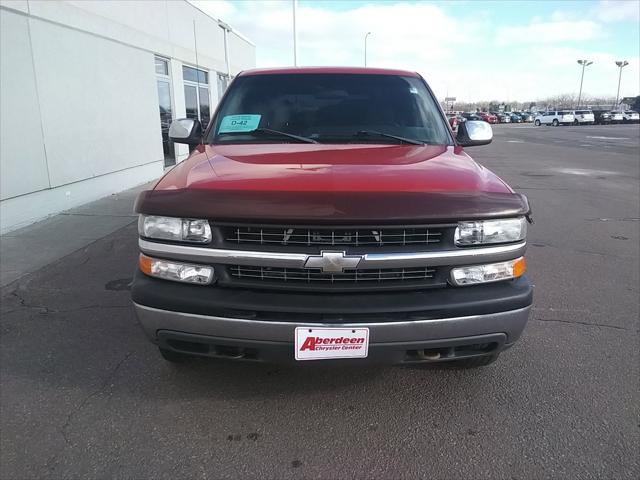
(621, 65)
(584, 63)
(295, 35)
(365, 48)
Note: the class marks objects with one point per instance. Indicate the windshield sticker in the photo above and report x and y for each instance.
(239, 123)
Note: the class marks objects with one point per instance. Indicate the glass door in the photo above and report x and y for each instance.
(166, 110)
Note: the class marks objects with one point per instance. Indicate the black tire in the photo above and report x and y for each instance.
(473, 362)
(537, 123)
(576, 123)
(174, 357)
(555, 122)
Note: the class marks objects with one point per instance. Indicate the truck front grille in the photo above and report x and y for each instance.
(310, 275)
(332, 236)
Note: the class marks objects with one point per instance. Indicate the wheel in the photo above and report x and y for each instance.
(576, 122)
(555, 122)
(473, 362)
(174, 357)
(537, 123)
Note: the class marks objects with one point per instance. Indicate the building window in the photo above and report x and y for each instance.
(162, 66)
(163, 81)
(196, 94)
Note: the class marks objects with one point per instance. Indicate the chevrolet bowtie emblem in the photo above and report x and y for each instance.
(333, 262)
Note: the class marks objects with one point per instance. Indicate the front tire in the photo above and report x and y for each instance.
(555, 122)
(537, 123)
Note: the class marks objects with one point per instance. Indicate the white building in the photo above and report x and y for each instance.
(87, 91)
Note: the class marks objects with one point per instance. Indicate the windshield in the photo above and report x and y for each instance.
(328, 108)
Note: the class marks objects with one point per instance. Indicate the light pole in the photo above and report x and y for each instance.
(584, 63)
(365, 48)
(295, 35)
(621, 65)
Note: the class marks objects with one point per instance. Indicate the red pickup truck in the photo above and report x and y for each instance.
(330, 214)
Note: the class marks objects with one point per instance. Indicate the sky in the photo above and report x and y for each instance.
(473, 50)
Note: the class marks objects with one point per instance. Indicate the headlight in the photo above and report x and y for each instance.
(176, 271)
(176, 229)
(492, 272)
(491, 231)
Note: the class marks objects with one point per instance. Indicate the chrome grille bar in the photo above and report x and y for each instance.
(459, 256)
(379, 237)
(315, 275)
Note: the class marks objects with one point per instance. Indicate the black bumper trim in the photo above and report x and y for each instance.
(437, 351)
(331, 307)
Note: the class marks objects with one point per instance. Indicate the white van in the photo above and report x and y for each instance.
(583, 117)
(555, 118)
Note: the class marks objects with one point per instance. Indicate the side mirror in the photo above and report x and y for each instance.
(474, 132)
(186, 130)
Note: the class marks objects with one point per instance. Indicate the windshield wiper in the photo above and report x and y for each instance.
(284, 134)
(373, 133)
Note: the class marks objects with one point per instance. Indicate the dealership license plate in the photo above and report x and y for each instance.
(331, 343)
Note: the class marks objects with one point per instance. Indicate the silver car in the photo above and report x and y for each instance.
(583, 117)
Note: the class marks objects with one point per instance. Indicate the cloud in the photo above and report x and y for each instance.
(471, 55)
(617, 11)
(555, 31)
(399, 30)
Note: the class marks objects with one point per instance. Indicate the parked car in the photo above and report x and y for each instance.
(487, 117)
(583, 117)
(617, 116)
(453, 121)
(472, 116)
(602, 117)
(555, 118)
(515, 118)
(525, 116)
(630, 117)
(503, 117)
(285, 241)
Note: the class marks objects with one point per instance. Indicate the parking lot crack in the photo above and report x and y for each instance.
(70, 416)
(44, 310)
(577, 322)
(621, 219)
(24, 304)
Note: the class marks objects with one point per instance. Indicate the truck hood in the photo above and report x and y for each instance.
(332, 168)
(316, 183)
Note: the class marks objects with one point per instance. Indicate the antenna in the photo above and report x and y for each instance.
(195, 47)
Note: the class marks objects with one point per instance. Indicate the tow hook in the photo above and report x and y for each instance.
(428, 354)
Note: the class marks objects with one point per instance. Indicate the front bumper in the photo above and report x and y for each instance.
(257, 325)
(394, 342)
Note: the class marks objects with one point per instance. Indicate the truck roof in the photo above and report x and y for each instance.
(336, 70)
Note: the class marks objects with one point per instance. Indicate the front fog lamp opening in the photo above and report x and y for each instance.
(176, 271)
(490, 231)
(492, 272)
(175, 229)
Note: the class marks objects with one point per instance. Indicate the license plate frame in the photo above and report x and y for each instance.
(330, 343)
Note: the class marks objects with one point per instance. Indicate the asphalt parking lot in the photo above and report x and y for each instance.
(83, 394)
